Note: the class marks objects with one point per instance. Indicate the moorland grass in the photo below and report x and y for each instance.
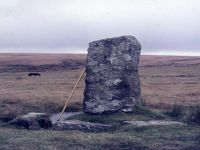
(190, 114)
(126, 137)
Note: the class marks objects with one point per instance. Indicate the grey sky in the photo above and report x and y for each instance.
(162, 26)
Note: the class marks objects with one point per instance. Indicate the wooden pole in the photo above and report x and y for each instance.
(71, 94)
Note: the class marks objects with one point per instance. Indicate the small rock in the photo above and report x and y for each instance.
(154, 123)
(33, 121)
(126, 110)
(81, 125)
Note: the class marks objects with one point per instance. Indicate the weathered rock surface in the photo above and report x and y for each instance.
(54, 117)
(112, 79)
(32, 121)
(153, 123)
(81, 125)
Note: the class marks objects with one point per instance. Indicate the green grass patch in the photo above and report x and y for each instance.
(189, 114)
(126, 138)
(139, 113)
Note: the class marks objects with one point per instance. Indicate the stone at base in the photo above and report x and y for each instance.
(154, 123)
(81, 125)
(32, 121)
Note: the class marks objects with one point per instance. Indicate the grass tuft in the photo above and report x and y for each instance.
(195, 114)
(177, 111)
(190, 114)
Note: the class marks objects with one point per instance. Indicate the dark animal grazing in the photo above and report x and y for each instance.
(34, 74)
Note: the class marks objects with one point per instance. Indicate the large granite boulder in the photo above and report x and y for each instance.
(32, 121)
(112, 79)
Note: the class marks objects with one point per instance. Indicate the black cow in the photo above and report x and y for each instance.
(34, 74)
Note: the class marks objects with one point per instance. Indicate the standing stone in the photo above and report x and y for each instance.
(112, 79)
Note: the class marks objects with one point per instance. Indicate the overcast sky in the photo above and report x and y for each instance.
(161, 26)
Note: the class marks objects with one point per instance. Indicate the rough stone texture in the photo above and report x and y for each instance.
(112, 79)
(65, 115)
(81, 125)
(32, 121)
(154, 123)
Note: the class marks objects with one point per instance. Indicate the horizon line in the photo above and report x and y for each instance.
(78, 53)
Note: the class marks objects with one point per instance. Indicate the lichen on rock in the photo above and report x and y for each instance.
(112, 78)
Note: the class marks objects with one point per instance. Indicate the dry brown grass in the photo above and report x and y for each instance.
(165, 80)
